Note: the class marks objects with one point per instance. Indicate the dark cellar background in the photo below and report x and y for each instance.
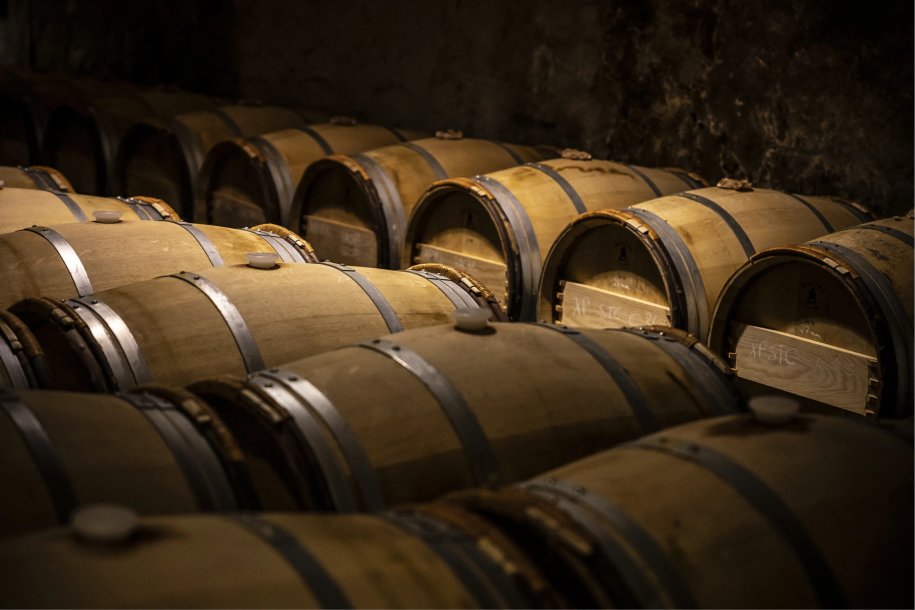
(808, 96)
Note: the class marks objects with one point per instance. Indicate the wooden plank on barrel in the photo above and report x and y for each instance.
(828, 374)
(490, 273)
(342, 242)
(584, 306)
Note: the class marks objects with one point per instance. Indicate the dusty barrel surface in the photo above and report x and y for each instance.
(163, 157)
(665, 261)
(435, 557)
(77, 259)
(411, 416)
(830, 320)
(231, 319)
(159, 451)
(34, 177)
(357, 206)
(82, 137)
(726, 512)
(21, 208)
(499, 226)
(252, 180)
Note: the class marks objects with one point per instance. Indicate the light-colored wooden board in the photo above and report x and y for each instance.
(490, 273)
(815, 370)
(584, 306)
(342, 242)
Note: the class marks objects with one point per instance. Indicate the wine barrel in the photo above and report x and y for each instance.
(22, 360)
(728, 512)
(829, 320)
(162, 157)
(34, 177)
(232, 319)
(27, 99)
(473, 406)
(499, 226)
(21, 208)
(422, 558)
(665, 261)
(246, 181)
(160, 451)
(356, 206)
(77, 259)
(82, 138)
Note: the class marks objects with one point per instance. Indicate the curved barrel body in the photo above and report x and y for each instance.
(357, 206)
(83, 136)
(411, 416)
(843, 335)
(231, 319)
(251, 180)
(498, 227)
(34, 177)
(665, 261)
(725, 513)
(162, 158)
(21, 208)
(416, 559)
(77, 259)
(157, 451)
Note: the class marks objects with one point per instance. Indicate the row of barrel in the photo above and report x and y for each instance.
(715, 262)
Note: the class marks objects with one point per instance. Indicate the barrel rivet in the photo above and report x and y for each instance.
(268, 384)
(396, 348)
(580, 490)
(196, 277)
(274, 370)
(95, 301)
(773, 409)
(292, 378)
(104, 523)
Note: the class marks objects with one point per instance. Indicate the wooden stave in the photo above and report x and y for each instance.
(887, 329)
(37, 177)
(189, 137)
(21, 208)
(295, 561)
(519, 242)
(571, 548)
(278, 160)
(156, 332)
(35, 267)
(103, 120)
(23, 364)
(687, 313)
(382, 206)
(182, 462)
(356, 469)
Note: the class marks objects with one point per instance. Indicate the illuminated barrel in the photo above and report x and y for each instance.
(357, 206)
(665, 261)
(34, 177)
(499, 227)
(829, 320)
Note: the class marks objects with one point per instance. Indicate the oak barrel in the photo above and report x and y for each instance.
(498, 227)
(357, 206)
(411, 416)
(728, 512)
(34, 177)
(20, 208)
(251, 180)
(82, 137)
(159, 451)
(22, 360)
(162, 157)
(665, 261)
(829, 320)
(77, 259)
(238, 319)
(423, 558)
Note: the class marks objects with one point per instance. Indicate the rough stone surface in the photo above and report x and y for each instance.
(813, 97)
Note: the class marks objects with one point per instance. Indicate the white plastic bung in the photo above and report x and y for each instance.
(105, 523)
(472, 320)
(773, 409)
(261, 260)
